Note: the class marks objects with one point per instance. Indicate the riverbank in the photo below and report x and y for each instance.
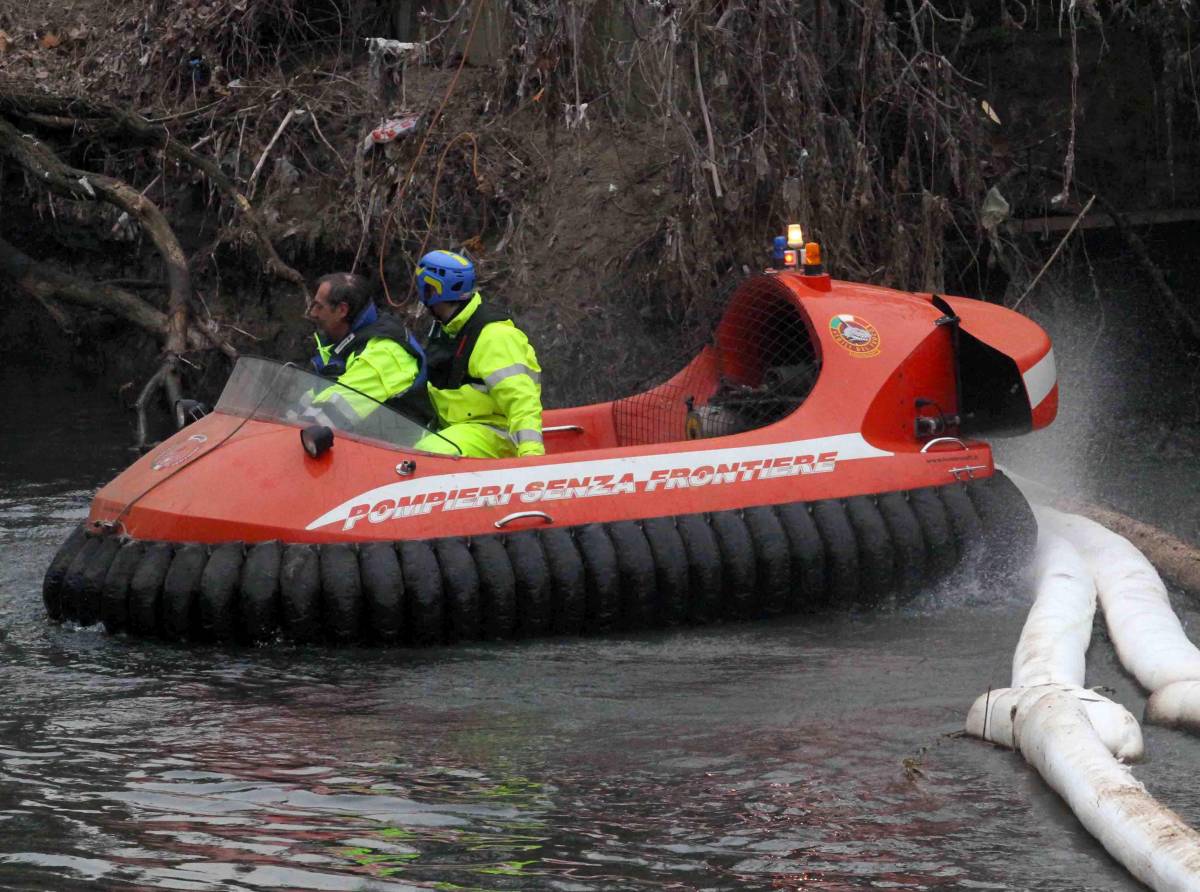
(610, 168)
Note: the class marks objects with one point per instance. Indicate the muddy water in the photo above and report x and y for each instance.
(817, 754)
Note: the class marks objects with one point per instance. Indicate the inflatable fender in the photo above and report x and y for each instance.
(627, 574)
(91, 582)
(300, 589)
(670, 568)
(705, 571)
(460, 582)
(532, 575)
(497, 588)
(772, 558)
(941, 549)
(907, 541)
(259, 584)
(179, 605)
(114, 595)
(146, 586)
(52, 592)
(341, 589)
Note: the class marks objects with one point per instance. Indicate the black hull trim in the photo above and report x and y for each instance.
(624, 575)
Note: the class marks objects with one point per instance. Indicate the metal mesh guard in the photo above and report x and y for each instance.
(758, 364)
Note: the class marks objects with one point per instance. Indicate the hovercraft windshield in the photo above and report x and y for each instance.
(265, 390)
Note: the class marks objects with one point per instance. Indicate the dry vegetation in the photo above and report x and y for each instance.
(610, 165)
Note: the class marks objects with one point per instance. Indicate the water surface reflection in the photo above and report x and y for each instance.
(816, 753)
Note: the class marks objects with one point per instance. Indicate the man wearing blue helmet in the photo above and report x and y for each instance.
(371, 353)
(484, 377)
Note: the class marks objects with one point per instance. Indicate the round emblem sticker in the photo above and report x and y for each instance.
(180, 452)
(855, 334)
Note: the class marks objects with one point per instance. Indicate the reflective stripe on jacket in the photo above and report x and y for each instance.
(503, 385)
(388, 368)
(382, 370)
(381, 361)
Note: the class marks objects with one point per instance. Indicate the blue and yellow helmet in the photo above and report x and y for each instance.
(443, 276)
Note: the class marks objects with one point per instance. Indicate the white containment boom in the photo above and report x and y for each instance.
(1153, 842)
(1050, 657)
(993, 717)
(1147, 634)
(1175, 705)
(1073, 736)
(1055, 638)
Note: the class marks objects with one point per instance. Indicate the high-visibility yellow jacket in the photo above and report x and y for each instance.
(501, 387)
(384, 369)
(381, 370)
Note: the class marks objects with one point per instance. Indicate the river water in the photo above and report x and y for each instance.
(817, 753)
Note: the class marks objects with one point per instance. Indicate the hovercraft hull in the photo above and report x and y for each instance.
(815, 453)
(624, 574)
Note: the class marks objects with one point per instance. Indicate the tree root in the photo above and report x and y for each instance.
(142, 404)
(175, 327)
(84, 111)
(84, 185)
(46, 283)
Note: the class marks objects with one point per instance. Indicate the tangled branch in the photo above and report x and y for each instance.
(85, 112)
(46, 168)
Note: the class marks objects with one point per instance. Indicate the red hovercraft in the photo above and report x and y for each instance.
(820, 451)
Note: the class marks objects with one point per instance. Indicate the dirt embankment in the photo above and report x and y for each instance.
(608, 164)
(565, 220)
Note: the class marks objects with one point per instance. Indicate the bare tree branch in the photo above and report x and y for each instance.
(45, 282)
(150, 133)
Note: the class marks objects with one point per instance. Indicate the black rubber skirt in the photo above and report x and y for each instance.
(655, 573)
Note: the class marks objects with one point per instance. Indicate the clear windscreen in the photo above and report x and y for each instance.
(265, 390)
